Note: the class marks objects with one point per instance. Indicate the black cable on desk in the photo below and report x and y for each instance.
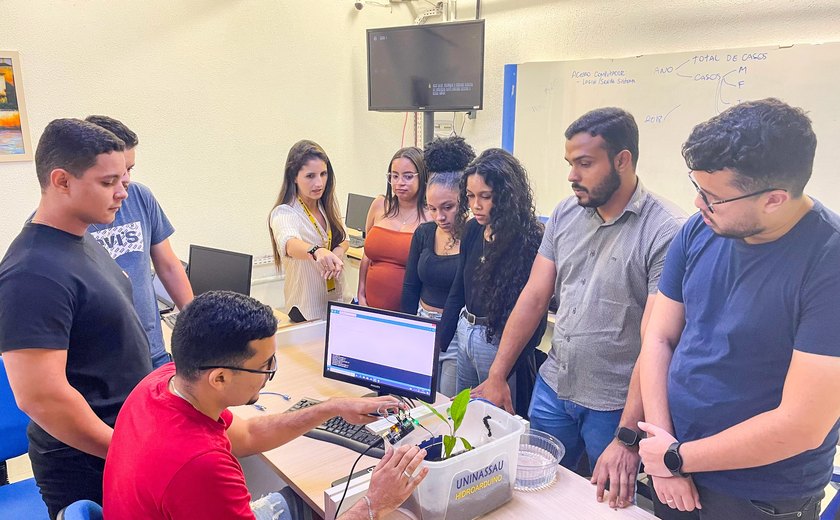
(349, 477)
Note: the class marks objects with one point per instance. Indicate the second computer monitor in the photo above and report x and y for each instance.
(357, 210)
(219, 270)
(389, 352)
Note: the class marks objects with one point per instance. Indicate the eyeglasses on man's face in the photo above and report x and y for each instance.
(710, 205)
(394, 177)
(270, 372)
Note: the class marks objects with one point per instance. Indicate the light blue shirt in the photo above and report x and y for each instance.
(140, 224)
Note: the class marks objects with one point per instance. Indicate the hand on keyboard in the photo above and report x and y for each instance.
(338, 431)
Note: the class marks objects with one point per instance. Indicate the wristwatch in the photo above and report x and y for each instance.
(674, 461)
(627, 437)
(312, 251)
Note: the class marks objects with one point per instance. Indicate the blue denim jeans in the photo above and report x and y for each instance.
(160, 358)
(475, 356)
(447, 362)
(576, 426)
(268, 507)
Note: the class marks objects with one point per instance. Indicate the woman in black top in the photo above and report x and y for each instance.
(433, 257)
(498, 248)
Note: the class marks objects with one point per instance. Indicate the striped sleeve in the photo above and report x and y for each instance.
(285, 225)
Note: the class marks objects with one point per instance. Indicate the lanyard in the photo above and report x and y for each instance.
(327, 240)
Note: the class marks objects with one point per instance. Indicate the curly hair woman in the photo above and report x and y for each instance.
(498, 248)
(433, 257)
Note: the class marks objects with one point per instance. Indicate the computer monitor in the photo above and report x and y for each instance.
(357, 210)
(389, 352)
(216, 270)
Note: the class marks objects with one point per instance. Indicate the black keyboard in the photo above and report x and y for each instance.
(338, 431)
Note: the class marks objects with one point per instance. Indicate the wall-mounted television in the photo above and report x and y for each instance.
(434, 68)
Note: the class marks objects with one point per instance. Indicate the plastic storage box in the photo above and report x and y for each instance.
(472, 483)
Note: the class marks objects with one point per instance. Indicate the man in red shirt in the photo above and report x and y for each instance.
(173, 453)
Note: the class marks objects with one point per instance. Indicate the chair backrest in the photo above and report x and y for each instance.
(81, 510)
(13, 422)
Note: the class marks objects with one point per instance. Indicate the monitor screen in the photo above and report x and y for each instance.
(357, 210)
(217, 270)
(386, 351)
(436, 67)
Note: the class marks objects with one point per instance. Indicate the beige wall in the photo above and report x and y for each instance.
(219, 89)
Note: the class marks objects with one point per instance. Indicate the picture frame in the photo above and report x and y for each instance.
(15, 141)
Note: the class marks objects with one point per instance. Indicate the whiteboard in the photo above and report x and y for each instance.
(668, 94)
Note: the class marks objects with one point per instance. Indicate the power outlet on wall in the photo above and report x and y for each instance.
(263, 260)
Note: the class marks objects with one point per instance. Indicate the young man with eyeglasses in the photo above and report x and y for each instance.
(740, 366)
(173, 455)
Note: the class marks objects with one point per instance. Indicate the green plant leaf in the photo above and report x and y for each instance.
(448, 445)
(467, 444)
(459, 408)
(440, 416)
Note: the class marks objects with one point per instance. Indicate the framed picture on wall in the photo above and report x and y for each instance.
(15, 143)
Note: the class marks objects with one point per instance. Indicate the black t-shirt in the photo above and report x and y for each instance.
(428, 276)
(62, 291)
(467, 292)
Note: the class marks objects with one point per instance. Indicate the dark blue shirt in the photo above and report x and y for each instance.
(747, 308)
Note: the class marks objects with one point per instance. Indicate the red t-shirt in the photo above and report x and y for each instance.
(167, 460)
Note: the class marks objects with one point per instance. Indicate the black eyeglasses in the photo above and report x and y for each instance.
(270, 373)
(711, 204)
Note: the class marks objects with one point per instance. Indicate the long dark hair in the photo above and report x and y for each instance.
(392, 205)
(446, 158)
(301, 153)
(516, 234)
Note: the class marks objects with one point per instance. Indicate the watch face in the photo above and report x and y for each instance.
(672, 460)
(627, 436)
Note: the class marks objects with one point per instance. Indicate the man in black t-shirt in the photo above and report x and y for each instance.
(72, 343)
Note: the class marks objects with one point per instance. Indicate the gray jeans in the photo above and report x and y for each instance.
(719, 506)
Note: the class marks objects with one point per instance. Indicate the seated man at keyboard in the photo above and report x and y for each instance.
(173, 454)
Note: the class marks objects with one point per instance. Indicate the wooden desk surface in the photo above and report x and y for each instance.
(355, 252)
(310, 466)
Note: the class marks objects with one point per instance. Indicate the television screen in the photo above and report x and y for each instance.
(435, 68)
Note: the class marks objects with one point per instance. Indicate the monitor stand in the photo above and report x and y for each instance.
(377, 394)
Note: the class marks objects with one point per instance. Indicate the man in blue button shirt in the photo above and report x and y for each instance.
(740, 364)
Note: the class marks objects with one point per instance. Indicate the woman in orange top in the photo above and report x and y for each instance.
(390, 226)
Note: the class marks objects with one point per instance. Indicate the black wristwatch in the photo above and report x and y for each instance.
(312, 251)
(674, 461)
(627, 437)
